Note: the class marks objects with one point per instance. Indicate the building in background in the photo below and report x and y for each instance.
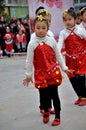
(18, 8)
(79, 3)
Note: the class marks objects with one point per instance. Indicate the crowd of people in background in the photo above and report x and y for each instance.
(14, 36)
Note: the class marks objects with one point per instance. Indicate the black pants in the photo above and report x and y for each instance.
(41, 97)
(79, 85)
(46, 94)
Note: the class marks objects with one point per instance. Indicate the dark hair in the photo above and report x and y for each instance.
(72, 12)
(39, 8)
(81, 8)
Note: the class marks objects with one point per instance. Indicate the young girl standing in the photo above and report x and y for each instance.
(73, 37)
(43, 54)
(45, 13)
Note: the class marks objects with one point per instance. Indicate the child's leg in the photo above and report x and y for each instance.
(23, 47)
(56, 103)
(41, 100)
(56, 100)
(78, 83)
(82, 80)
(45, 98)
(19, 47)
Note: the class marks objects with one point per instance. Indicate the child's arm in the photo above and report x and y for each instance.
(29, 65)
(57, 49)
(61, 40)
(82, 32)
(60, 59)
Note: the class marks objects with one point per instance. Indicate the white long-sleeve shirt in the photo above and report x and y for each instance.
(30, 53)
(65, 33)
(82, 25)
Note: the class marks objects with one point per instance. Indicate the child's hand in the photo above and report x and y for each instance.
(26, 81)
(69, 71)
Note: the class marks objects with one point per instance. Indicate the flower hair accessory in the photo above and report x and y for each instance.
(47, 13)
(65, 13)
(40, 18)
(84, 8)
(43, 12)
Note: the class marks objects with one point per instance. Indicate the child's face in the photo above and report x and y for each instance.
(69, 21)
(7, 30)
(84, 16)
(41, 28)
(20, 32)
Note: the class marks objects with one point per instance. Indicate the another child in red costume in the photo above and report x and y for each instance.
(9, 40)
(43, 53)
(74, 39)
(21, 41)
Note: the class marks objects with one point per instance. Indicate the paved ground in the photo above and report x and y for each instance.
(19, 105)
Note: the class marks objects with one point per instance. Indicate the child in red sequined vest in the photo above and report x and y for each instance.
(43, 53)
(73, 37)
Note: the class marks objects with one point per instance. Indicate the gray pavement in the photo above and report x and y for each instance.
(19, 105)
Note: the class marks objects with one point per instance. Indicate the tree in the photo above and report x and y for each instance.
(2, 11)
(2, 6)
